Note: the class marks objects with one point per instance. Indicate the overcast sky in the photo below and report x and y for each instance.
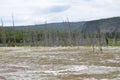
(27, 12)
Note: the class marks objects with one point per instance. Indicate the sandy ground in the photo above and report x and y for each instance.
(59, 63)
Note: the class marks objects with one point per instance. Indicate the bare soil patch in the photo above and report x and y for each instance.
(59, 63)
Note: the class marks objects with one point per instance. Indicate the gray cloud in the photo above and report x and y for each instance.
(58, 8)
(51, 9)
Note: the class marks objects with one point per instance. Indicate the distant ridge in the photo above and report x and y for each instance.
(105, 25)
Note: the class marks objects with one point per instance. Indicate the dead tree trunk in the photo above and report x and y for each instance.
(14, 31)
(45, 40)
(115, 36)
(69, 33)
(3, 34)
(99, 39)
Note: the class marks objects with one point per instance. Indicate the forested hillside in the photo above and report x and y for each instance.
(98, 32)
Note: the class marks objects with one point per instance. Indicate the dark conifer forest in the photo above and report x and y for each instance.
(103, 32)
